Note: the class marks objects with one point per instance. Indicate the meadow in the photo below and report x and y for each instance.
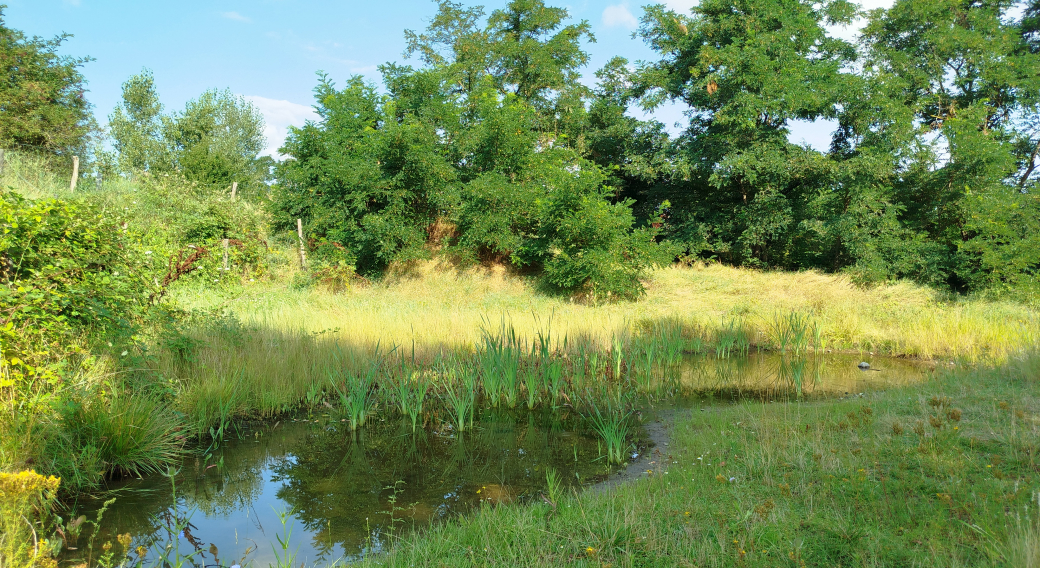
(874, 481)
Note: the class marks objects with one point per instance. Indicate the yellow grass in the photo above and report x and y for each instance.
(433, 305)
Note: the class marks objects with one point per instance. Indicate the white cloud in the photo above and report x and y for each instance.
(236, 16)
(278, 117)
(619, 15)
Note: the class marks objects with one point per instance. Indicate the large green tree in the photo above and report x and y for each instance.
(966, 75)
(746, 68)
(42, 102)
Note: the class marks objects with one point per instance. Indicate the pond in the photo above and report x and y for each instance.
(335, 494)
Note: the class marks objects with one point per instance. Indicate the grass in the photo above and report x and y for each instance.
(436, 306)
(944, 473)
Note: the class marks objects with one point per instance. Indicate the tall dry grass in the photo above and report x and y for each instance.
(431, 306)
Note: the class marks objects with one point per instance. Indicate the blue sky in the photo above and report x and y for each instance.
(269, 51)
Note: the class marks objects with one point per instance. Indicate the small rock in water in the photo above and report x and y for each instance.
(863, 365)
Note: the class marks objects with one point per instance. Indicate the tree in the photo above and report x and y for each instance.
(967, 75)
(214, 141)
(217, 140)
(474, 142)
(137, 126)
(42, 103)
(746, 68)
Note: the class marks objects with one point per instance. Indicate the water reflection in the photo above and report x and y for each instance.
(350, 492)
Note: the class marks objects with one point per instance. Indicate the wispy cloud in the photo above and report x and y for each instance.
(279, 115)
(236, 16)
(619, 15)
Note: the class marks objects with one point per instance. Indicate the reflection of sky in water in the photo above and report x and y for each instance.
(340, 486)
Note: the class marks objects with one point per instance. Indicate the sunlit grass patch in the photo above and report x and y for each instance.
(437, 306)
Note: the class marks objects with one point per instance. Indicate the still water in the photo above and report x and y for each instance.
(343, 494)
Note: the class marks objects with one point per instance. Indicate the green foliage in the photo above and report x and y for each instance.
(931, 168)
(215, 141)
(68, 268)
(42, 107)
(747, 69)
(470, 142)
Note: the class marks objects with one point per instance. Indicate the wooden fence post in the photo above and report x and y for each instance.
(75, 173)
(225, 254)
(234, 189)
(303, 254)
(1, 161)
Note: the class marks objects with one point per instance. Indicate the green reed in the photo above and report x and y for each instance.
(410, 390)
(356, 396)
(732, 337)
(609, 418)
(460, 393)
(617, 356)
(793, 332)
(554, 380)
(647, 359)
(499, 356)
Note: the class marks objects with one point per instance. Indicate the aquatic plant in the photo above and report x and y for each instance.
(499, 358)
(732, 337)
(356, 394)
(410, 390)
(555, 380)
(459, 384)
(284, 558)
(617, 355)
(648, 358)
(793, 332)
(609, 418)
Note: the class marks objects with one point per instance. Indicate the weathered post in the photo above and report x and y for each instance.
(234, 189)
(1, 161)
(303, 253)
(225, 254)
(75, 173)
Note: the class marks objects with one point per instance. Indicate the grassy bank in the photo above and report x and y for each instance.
(945, 473)
(434, 305)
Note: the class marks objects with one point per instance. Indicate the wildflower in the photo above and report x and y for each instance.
(590, 551)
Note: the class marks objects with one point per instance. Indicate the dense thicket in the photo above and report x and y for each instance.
(931, 174)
